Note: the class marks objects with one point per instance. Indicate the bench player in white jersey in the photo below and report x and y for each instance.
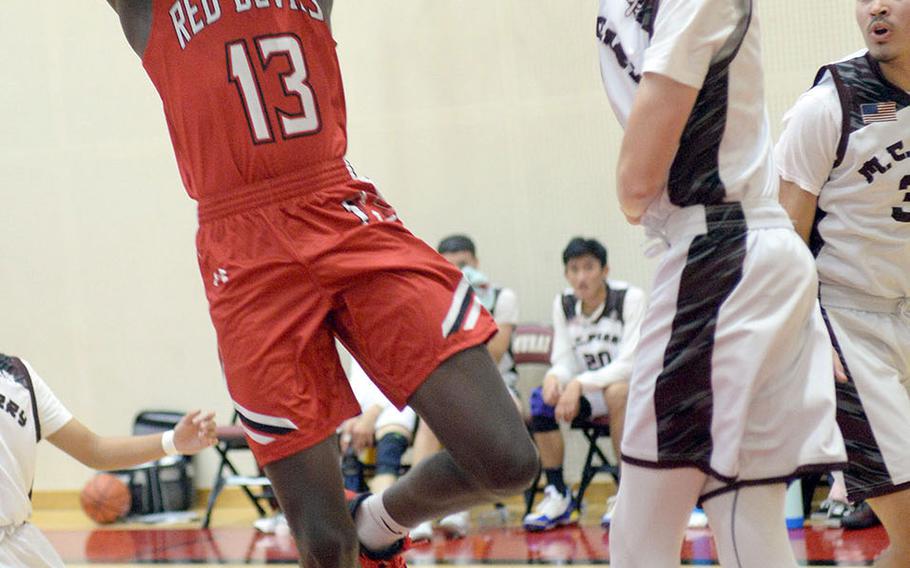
(29, 413)
(380, 425)
(844, 160)
(596, 324)
(502, 303)
(732, 392)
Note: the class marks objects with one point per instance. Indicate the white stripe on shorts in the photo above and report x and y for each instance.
(455, 306)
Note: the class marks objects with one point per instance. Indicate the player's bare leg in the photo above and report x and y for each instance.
(488, 453)
(894, 511)
(310, 491)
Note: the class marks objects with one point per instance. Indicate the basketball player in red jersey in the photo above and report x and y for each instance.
(295, 251)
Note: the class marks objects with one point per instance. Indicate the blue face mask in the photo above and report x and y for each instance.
(481, 285)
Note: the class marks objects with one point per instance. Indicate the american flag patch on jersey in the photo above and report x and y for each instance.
(879, 112)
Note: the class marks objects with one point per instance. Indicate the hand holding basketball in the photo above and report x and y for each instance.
(195, 432)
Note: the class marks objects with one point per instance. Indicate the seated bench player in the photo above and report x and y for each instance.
(595, 329)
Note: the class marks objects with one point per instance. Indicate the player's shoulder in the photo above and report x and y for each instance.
(613, 284)
(567, 292)
(505, 294)
(14, 369)
(821, 100)
(631, 293)
(564, 303)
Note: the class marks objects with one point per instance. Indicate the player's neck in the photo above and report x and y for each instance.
(588, 307)
(897, 71)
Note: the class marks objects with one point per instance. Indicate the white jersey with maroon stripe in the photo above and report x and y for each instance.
(861, 236)
(710, 45)
(597, 349)
(29, 412)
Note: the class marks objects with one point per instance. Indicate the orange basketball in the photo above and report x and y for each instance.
(105, 498)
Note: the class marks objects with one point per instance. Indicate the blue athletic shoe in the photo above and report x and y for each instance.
(555, 510)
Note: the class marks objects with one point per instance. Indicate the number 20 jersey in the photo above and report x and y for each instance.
(251, 89)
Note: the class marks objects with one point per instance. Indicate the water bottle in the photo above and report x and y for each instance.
(793, 507)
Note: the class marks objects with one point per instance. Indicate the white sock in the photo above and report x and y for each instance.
(376, 529)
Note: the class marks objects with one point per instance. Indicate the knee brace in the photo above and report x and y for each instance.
(389, 450)
(543, 418)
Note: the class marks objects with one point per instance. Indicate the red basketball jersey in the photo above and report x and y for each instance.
(251, 90)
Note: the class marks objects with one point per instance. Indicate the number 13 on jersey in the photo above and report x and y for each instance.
(294, 83)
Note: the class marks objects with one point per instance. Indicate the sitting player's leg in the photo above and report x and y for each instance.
(749, 527)
(556, 507)
(393, 436)
(649, 521)
(309, 488)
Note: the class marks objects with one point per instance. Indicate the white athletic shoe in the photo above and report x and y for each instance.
(456, 525)
(607, 518)
(556, 509)
(272, 525)
(423, 531)
(698, 519)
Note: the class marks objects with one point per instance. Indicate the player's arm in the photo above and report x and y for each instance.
(804, 155)
(800, 205)
(507, 314)
(805, 152)
(194, 432)
(689, 36)
(562, 356)
(500, 342)
(659, 114)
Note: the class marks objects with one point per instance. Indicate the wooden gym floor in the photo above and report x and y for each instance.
(233, 541)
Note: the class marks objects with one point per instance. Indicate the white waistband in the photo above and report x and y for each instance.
(693, 220)
(842, 297)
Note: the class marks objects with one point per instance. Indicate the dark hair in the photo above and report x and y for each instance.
(580, 246)
(456, 243)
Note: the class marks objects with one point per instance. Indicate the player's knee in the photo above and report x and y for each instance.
(389, 450)
(512, 469)
(543, 417)
(616, 396)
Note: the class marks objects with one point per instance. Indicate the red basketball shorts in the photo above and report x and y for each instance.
(288, 271)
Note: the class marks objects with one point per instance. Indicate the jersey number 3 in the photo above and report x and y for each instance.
(294, 82)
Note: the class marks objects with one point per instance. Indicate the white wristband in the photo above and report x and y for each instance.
(167, 443)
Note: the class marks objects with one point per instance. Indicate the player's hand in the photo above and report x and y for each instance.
(195, 432)
(840, 375)
(345, 436)
(550, 390)
(569, 402)
(363, 432)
